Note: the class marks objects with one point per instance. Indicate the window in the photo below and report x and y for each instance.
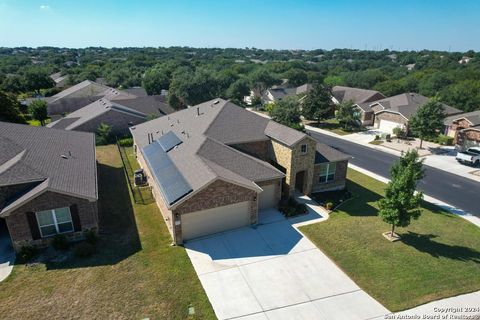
(303, 149)
(327, 172)
(52, 222)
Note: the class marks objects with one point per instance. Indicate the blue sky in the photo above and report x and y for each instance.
(279, 24)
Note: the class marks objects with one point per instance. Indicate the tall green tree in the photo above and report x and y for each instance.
(9, 109)
(401, 203)
(156, 79)
(36, 79)
(38, 110)
(348, 115)
(428, 120)
(287, 112)
(318, 104)
(104, 134)
(238, 90)
(261, 80)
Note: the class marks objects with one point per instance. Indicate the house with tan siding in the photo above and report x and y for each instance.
(214, 166)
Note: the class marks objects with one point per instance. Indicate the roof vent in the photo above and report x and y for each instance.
(216, 102)
(64, 156)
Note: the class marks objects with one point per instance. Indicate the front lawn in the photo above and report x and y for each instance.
(438, 257)
(334, 126)
(135, 274)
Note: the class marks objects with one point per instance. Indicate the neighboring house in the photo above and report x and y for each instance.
(464, 60)
(277, 93)
(80, 95)
(213, 166)
(48, 183)
(120, 115)
(465, 129)
(389, 113)
(342, 94)
(60, 80)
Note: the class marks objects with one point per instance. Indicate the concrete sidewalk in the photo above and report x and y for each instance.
(445, 162)
(7, 257)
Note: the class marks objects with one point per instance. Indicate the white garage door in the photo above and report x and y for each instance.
(201, 223)
(266, 198)
(388, 126)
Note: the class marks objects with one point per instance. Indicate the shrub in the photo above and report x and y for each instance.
(398, 132)
(377, 137)
(60, 242)
(388, 137)
(27, 253)
(329, 205)
(444, 140)
(91, 237)
(84, 249)
(125, 142)
(292, 208)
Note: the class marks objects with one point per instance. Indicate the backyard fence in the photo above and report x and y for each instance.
(141, 194)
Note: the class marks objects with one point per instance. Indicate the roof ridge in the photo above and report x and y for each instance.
(218, 113)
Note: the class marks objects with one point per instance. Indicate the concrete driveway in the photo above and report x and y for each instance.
(7, 255)
(272, 272)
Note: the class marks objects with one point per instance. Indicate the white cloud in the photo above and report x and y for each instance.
(44, 7)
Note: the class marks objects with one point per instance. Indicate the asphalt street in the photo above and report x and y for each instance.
(460, 192)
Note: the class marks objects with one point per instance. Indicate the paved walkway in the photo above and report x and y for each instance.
(7, 256)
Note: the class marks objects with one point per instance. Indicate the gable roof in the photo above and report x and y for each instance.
(357, 95)
(207, 131)
(93, 110)
(472, 117)
(280, 92)
(62, 161)
(407, 104)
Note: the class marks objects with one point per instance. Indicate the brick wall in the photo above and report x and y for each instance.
(337, 184)
(19, 228)
(468, 138)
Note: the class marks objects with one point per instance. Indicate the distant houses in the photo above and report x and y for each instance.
(277, 93)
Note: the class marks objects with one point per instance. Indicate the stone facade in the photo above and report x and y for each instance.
(367, 118)
(467, 138)
(20, 229)
(293, 161)
(337, 184)
(456, 127)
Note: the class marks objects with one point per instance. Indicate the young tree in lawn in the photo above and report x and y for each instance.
(428, 120)
(287, 112)
(348, 115)
(318, 104)
(104, 134)
(38, 110)
(401, 203)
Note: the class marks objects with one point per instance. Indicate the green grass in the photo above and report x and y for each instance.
(438, 256)
(376, 142)
(334, 126)
(37, 123)
(134, 275)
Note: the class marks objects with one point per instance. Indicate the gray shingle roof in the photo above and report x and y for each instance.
(206, 131)
(325, 153)
(408, 103)
(150, 105)
(65, 158)
(357, 95)
(91, 111)
(473, 117)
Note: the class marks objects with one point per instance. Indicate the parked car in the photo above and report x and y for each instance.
(470, 156)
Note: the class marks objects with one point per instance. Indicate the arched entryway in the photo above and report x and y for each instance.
(300, 181)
